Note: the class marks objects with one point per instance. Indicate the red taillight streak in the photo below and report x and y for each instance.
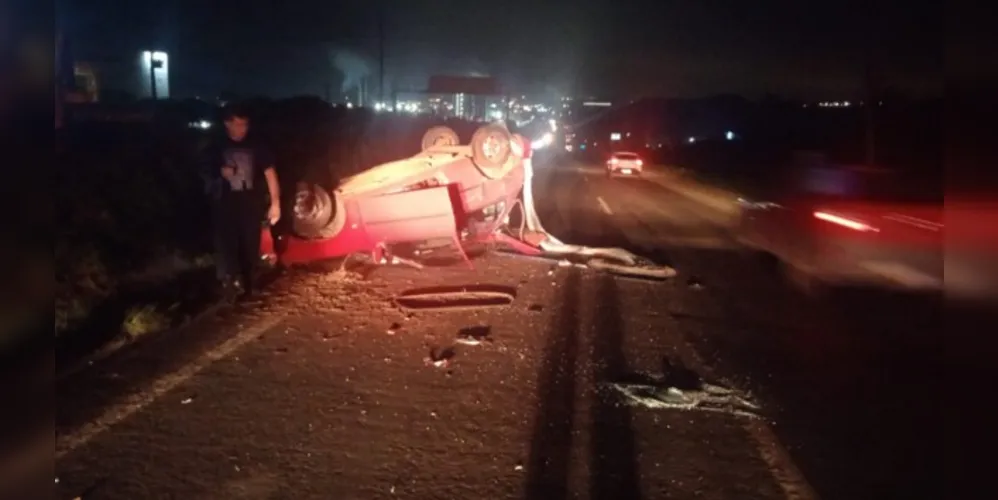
(844, 222)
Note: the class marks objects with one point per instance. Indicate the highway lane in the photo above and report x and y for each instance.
(323, 392)
(853, 381)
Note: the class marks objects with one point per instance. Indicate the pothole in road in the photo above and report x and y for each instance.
(456, 297)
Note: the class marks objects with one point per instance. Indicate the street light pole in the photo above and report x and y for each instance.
(152, 78)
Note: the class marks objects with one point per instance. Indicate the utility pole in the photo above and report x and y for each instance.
(381, 52)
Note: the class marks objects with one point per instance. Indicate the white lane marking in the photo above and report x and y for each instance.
(781, 466)
(773, 453)
(137, 401)
(603, 206)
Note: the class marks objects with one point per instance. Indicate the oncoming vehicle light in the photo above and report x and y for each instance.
(844, 222)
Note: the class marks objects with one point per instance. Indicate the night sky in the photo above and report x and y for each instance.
(672, 48)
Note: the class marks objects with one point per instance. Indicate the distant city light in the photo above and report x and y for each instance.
(597, 103)
(496, 114)
(543, 142)
(691, 140)
(156, 55)
(615, 136)
(729, 135)
(554, 125)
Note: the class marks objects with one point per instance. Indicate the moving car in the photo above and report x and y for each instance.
(831, 224)
(624, 163)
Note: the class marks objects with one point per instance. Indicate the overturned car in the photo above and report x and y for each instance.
(449, 194)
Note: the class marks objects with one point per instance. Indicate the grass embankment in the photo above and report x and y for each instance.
(131, 245)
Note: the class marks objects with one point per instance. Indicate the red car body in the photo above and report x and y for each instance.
(440, 193)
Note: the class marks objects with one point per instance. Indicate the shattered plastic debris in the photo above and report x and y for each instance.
(564, 263)
(634, 270)
(439, 357)
(436, 363)
(694, 283)
(475, 335)
(709, 397)
(186, 401)
(392, 330)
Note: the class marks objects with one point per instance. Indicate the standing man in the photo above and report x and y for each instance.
(239, 175)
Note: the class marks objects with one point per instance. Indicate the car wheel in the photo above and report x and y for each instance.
(440, 137)
(491, 146)
(318, 214)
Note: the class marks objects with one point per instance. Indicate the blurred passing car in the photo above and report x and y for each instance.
(624, 163)
(848, 225)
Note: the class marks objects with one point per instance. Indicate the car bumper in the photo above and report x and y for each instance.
(624, 171)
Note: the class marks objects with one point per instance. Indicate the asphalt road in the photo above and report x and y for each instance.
(324, 390)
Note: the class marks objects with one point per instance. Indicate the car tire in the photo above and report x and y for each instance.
(440, 136)
(491, 147)
(317, 214)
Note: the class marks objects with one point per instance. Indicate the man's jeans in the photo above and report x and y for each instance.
(238, 219)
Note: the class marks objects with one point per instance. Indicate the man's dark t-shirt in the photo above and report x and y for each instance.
(249, 160)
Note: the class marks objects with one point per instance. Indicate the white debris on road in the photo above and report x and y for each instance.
(710, 398)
